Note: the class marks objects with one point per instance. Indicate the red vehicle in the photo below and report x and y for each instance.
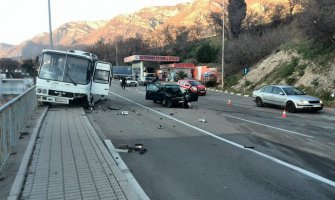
(193, 86)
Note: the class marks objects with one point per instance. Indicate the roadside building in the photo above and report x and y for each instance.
(168, 72)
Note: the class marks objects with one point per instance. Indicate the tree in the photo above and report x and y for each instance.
(29, 66)
(214, 20)
(206, 53)
(182, 41)
(317, 20)
(7, 64)
(237, 10)
(277, 15)
(181, 75)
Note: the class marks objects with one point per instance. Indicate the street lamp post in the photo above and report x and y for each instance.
(116, 53)
(222, 62)
(50, 28)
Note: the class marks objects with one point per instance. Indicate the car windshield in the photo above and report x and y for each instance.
(174, 88)
(293, 91)
(194, 83)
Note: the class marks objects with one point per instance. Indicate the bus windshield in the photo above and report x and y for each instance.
(59, 67)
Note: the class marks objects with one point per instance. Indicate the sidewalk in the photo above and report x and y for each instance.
(69, 161)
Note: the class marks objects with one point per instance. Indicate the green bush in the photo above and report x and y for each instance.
(315, 82)
(231, 81)
(291, 81)
(288, 69)
(247, 83)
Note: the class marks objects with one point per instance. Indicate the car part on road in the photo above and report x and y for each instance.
(202, 120)
(111, 108)
(123, 113)
(248, 147)
(128, 149)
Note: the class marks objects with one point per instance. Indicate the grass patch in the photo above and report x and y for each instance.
(231, 81)
(287, 69)
(318, 52)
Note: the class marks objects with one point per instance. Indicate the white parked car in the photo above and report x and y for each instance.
(288, 97)
(129, 81)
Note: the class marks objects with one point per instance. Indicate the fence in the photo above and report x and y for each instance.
(14, 116)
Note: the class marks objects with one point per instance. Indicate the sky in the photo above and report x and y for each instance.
(21, 20)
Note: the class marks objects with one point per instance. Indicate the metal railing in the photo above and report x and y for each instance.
(14, 116)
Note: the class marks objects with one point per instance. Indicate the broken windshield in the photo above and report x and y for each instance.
(58, 67)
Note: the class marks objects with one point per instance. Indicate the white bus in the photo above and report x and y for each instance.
(72, 76)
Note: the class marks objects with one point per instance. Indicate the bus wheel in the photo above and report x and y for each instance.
(84, 103)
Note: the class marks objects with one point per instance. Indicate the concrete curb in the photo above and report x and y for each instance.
(16, 188)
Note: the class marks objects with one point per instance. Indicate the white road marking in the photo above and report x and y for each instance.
(281, 129)
(283, 163)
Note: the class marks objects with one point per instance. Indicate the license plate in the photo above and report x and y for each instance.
(61, 100)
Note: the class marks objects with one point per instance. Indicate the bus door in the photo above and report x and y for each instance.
(101, 78)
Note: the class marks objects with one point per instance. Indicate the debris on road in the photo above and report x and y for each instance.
(128, 149)
(159, 127)
(202, 120)
(248, 147)
(111, 108)
(123, 113)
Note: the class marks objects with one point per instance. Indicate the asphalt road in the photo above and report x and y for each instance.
(241, 152)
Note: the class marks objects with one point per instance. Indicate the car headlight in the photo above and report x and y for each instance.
(321, 102)
(39, 90)
(303, 102)
(44, 91)
(194, 89)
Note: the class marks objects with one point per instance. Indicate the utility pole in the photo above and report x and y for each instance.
(222, 65)
(50, 28)
(117, 64)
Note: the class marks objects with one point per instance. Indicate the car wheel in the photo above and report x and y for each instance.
(167, 103)
(186, 105)
(290, 107)
(155, 101)
(259, 102)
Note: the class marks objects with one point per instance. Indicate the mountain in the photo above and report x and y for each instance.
(148, 23)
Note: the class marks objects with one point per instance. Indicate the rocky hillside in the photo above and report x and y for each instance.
(148, 23)
(296, 71)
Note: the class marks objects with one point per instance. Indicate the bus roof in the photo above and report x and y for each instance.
(73, 52)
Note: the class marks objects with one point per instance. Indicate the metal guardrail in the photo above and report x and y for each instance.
(14, 116)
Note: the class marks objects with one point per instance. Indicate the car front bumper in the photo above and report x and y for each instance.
(310, 107)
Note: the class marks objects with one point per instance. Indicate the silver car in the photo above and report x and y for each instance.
(288, 97)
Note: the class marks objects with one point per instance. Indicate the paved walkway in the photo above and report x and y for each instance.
(70, 161)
